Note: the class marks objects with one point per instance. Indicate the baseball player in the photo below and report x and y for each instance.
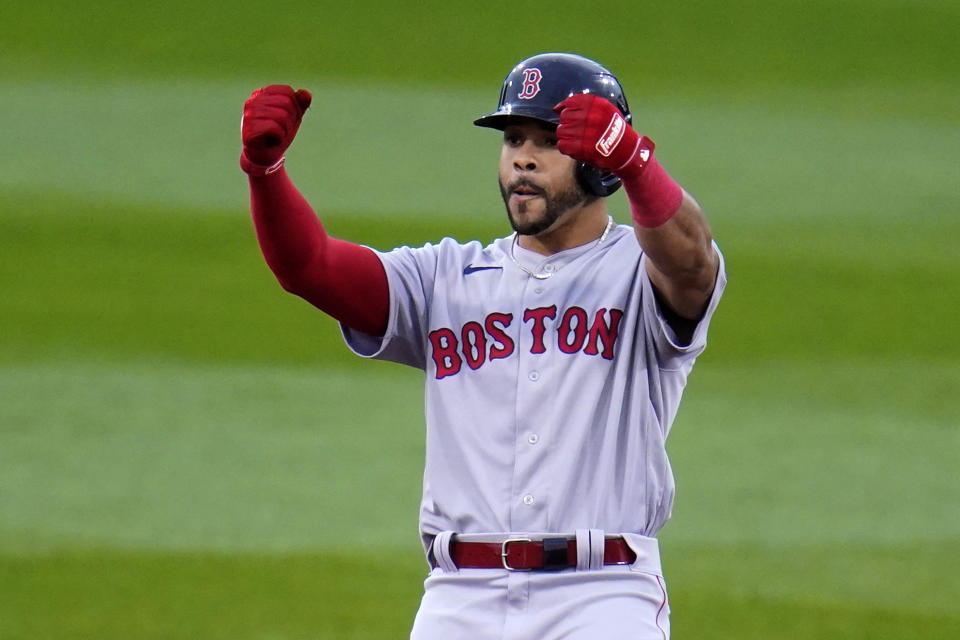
(554, 357)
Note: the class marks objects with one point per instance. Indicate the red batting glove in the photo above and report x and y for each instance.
(271, 117)
(594, 131)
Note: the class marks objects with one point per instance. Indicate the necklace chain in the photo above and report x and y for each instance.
(544, 276)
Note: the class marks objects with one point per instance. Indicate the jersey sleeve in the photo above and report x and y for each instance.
(671, 352)
(411, 274)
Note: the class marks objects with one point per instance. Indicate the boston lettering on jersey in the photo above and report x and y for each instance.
(477, 343)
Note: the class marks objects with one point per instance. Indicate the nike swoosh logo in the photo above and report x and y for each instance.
(472, 269)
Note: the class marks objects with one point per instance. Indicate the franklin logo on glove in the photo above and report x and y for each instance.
(611, 137)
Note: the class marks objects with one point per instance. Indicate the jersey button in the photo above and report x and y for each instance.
(538, 290)
(533, 438)
(528, 499)
(534, 376)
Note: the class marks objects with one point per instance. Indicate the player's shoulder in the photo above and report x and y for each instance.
(454, 252)
(451, 251)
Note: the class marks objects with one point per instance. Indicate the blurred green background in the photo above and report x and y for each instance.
(186, 451)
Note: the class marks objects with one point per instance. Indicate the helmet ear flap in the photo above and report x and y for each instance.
(596, 182)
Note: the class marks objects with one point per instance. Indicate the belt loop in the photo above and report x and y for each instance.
(441, 552)
(583, 549)
(597, 544)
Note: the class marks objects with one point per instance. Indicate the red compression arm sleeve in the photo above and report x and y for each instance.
(340, 278)
(653, 195)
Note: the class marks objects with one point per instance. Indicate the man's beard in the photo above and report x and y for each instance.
(555, 205)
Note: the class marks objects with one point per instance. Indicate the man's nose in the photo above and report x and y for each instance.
(525, 159)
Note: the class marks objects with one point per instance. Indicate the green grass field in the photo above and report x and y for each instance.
(188, 452)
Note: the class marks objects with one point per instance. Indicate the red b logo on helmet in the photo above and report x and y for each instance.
(531, 83)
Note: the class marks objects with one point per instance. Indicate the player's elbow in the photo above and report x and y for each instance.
(694, 269)
(696, 291)
(296, 277)
(291, 281)
(688, 289)
(288, 285)
(701, 273)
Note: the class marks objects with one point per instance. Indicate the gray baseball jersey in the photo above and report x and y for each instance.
(548, 400)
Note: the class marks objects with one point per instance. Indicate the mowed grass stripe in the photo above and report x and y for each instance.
(783, 43)
(361, 148)
(716, 592)
(84, 279)
(393, 149)
(100, 282)
(171, 456)
(911, 575)
(367, 593)
(709, 615)
(162, 456)
(789, 452)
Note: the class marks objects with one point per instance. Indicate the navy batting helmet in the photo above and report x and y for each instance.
(538, 84)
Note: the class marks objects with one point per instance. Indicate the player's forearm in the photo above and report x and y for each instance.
(675, 236)
(288, 230)
(680, 245)
(681, 248)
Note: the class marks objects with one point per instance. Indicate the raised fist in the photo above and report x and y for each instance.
(593, 130)
(271, 117)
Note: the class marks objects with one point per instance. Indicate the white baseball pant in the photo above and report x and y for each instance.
(618, 602)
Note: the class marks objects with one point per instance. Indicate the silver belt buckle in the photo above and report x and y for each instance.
(503, 553)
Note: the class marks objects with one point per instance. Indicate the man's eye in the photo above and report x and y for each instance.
(512, 139)
(551, 142)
